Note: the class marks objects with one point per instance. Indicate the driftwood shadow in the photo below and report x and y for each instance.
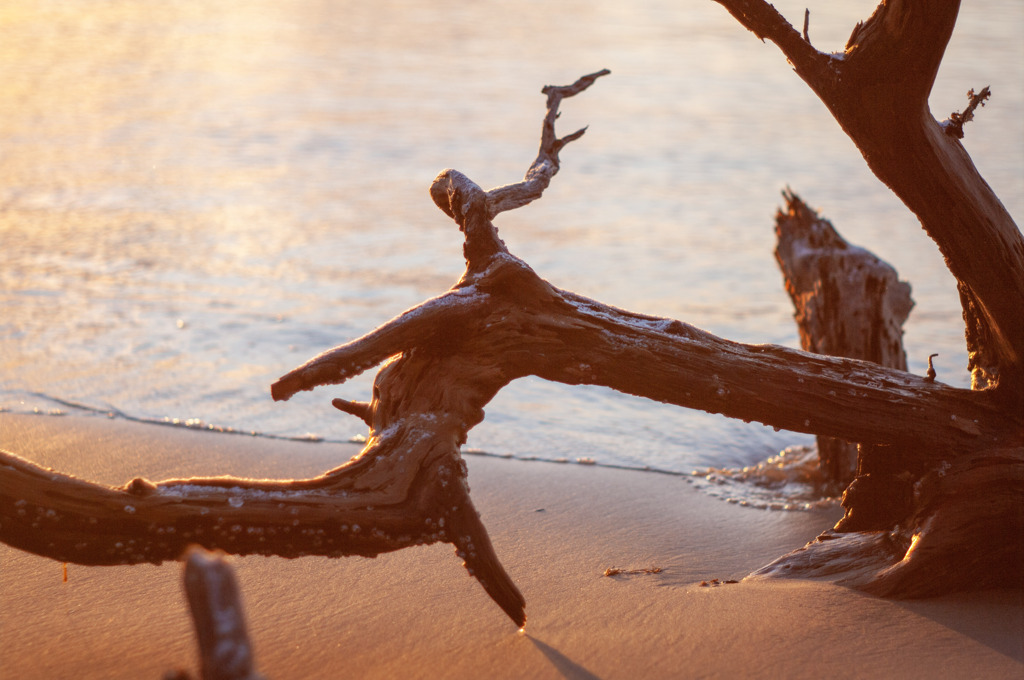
(563, 664)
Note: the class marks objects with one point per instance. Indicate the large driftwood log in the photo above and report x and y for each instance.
(848, 303)
(446, 358)
(877, 90)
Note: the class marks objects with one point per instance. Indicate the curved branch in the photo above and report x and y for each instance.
(540, 172)
(406, 488)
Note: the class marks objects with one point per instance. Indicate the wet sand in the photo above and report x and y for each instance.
(417, 614)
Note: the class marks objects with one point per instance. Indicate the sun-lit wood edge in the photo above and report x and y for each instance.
(967, 534)
(406, 488)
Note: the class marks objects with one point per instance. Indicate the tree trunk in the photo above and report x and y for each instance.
(848, 303)
(878, 92)
(943, 527)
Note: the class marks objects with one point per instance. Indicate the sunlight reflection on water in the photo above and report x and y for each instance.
(258, 171)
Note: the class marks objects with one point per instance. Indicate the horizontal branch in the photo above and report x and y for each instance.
(785, 388)
(406, 488)
(523, 326)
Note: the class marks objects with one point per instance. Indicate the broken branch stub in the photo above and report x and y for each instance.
(225, 650)
(848, 303)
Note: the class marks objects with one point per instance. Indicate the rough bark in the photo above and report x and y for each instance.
(848, 303)
(969, 534)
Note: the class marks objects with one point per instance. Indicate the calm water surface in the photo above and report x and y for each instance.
(196, 197)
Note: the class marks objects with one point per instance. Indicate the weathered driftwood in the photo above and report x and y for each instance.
(848, 303)
(946, 528)
(446, 358)
(408, 485)
(225, 651)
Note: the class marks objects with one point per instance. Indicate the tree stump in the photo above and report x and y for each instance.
(848, 303)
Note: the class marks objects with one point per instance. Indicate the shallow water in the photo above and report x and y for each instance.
(196, 197)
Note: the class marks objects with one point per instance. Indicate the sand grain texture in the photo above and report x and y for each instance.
(417, 614)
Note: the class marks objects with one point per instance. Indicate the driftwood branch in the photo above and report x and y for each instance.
(408, 485)
(878, 92)
(539, 175)
(445, 359)
(225, 651)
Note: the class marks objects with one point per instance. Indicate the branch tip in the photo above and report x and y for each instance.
(359, 409)
(570, 90)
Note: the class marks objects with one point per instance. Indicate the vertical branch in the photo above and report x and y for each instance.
(545, 166)
(225, 651)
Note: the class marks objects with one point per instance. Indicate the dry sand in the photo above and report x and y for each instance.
(417, 614)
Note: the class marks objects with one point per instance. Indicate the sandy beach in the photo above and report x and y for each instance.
(417, 614)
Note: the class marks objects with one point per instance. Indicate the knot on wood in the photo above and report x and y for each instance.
(455, 194)
(140, 486)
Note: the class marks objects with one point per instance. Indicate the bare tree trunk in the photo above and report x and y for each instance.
(848, 303)
(945, 527)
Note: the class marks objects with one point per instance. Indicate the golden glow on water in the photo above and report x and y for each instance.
(197, 196)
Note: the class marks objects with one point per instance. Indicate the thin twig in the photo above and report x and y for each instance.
(954, 127)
